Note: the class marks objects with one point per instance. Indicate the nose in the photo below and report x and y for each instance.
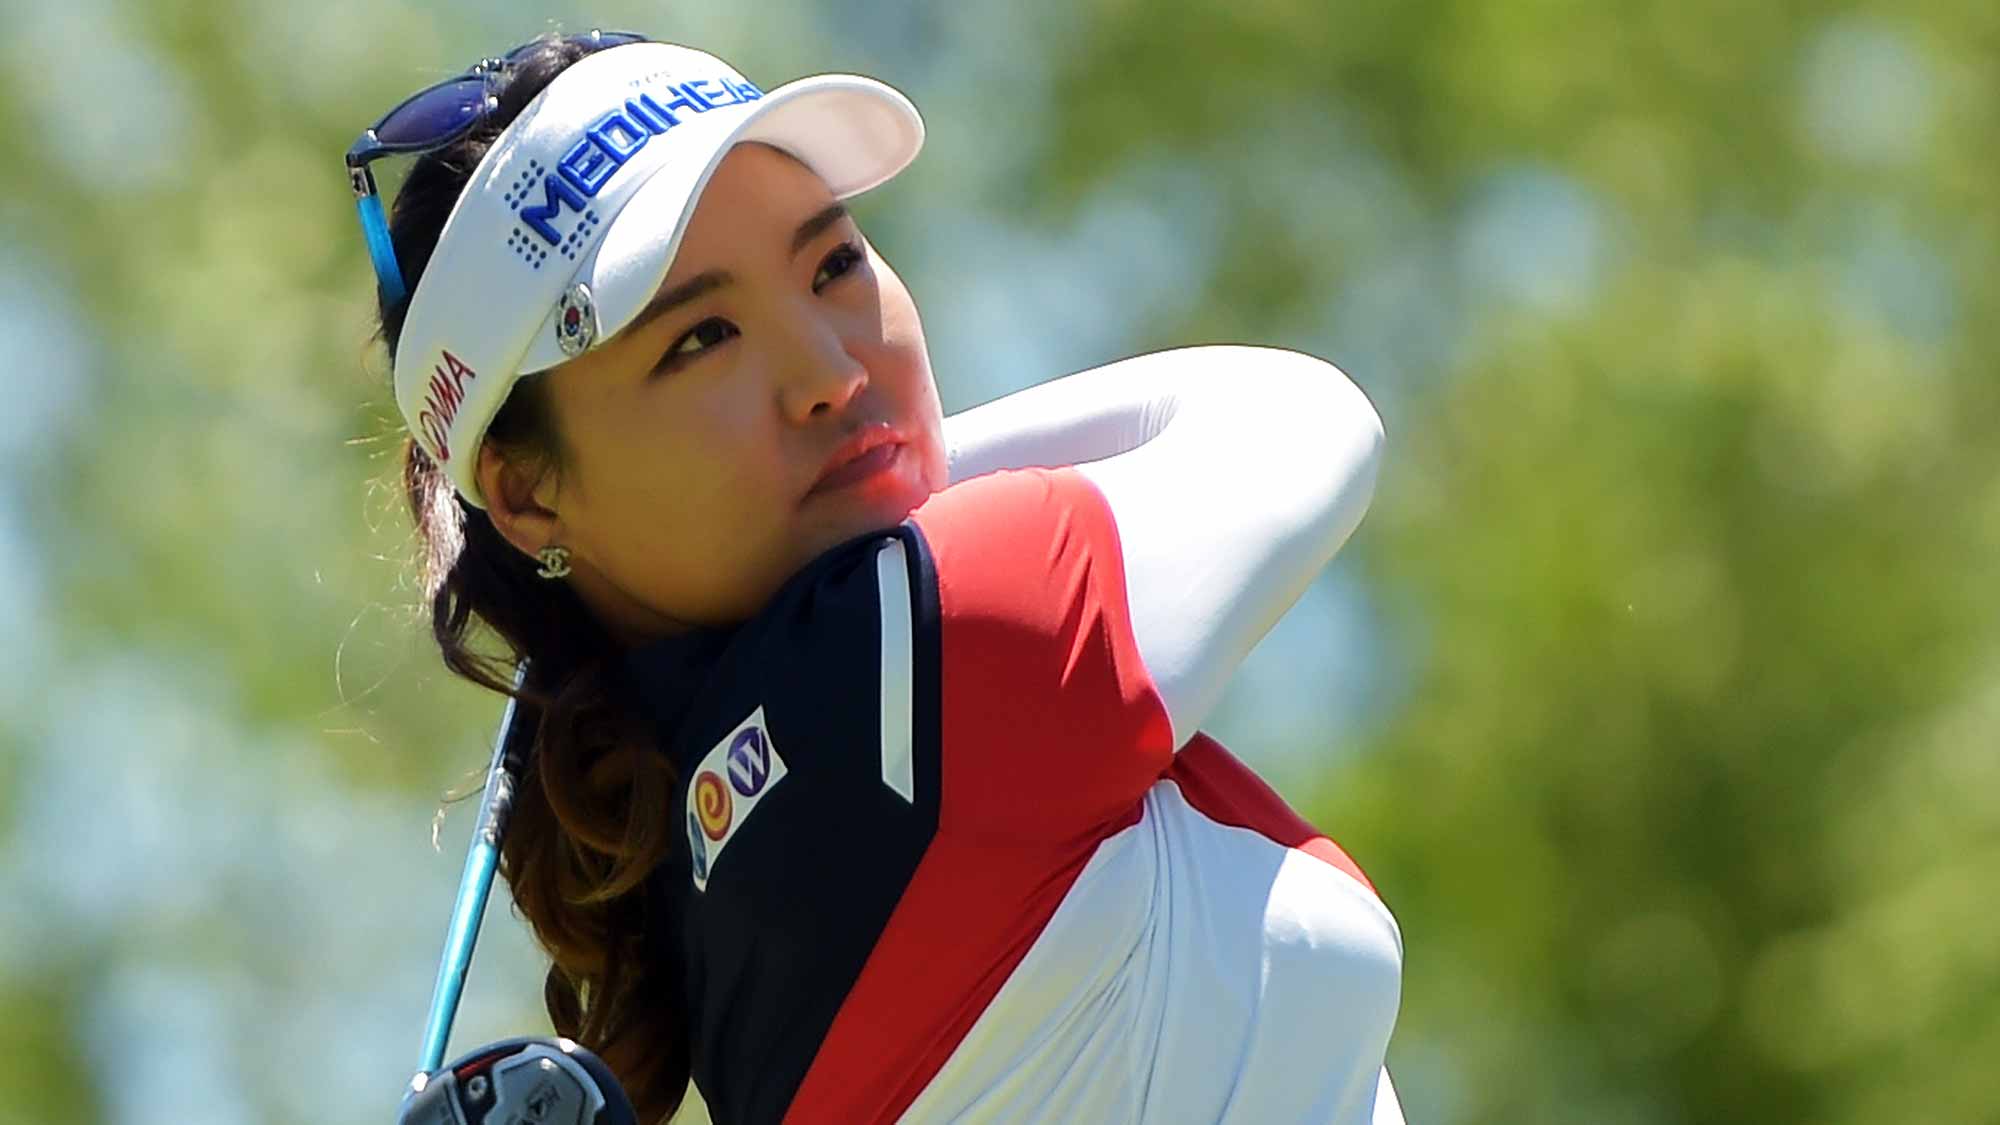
(820, 373)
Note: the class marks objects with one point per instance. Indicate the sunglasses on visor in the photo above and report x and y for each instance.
(428, 119)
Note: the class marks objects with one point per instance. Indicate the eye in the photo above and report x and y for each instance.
(692, 343)
(843, 259)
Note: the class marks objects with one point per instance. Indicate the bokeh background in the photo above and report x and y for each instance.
(1660, 690)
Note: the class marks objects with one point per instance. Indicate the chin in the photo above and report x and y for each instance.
(884, 512)
(878, 504)
(913, 490)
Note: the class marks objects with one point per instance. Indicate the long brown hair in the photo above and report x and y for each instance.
(589, 823)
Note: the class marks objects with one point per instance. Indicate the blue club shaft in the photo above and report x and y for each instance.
(474, 888)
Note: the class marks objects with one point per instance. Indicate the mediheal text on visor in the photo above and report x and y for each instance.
(607, 143)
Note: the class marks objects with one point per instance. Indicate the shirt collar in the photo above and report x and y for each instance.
(667, 675)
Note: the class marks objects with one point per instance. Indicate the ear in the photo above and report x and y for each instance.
(519, 499)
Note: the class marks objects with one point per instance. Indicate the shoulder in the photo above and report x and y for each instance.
(1017, 528)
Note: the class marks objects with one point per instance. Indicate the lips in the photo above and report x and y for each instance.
(871, 450)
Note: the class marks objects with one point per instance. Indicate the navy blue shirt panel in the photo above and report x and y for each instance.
(810, 877)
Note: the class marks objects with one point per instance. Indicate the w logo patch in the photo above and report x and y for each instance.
(729, 783)
(749, 761)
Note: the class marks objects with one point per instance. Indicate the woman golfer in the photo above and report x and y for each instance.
(869, 784)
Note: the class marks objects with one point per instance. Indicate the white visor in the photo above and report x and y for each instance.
(573, 217)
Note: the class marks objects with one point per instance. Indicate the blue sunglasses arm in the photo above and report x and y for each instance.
(375, 226)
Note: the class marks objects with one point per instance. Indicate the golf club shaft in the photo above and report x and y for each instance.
(474, 887)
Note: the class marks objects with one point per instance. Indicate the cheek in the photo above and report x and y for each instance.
(915, 387)
(906, 359)
(712, 465)
(901, 326)
(676, 497)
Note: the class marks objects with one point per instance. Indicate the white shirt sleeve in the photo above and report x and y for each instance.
(1233, 473)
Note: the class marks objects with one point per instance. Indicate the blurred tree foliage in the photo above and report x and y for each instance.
(1692, 798)
(1686, 783)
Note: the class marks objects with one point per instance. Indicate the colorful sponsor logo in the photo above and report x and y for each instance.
(749, 761)
(737, 775)
(697, 849)
(712, 804)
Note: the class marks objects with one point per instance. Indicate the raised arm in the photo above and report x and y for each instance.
(1234, 474)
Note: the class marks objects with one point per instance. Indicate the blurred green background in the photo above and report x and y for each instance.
(1659, 692)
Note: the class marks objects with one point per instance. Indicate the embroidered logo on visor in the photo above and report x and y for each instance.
(553, 205)
(442, 396)
(576, 320)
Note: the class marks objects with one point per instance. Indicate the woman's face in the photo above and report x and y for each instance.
(708, 451)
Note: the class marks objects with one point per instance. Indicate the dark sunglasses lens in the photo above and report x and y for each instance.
(435, 114)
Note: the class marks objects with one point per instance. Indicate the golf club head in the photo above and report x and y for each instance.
(525, 1081)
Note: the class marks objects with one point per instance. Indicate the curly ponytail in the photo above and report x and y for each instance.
(587, 828)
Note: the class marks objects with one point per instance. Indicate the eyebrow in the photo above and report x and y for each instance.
(814, 227)
(708, 281)
(700, 285)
